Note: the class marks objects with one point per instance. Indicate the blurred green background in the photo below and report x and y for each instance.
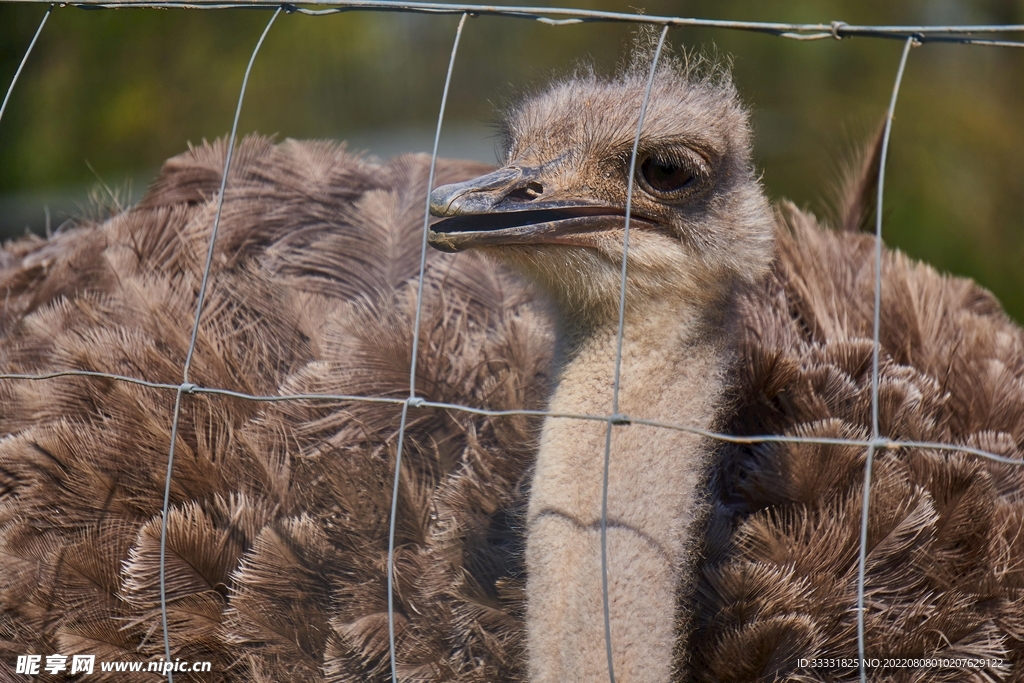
(109, 94)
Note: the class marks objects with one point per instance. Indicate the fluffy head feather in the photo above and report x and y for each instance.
(569, 147)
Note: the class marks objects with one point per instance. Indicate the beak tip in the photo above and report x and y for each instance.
(441, 242)
(441, 202)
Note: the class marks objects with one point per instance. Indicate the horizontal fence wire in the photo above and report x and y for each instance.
(910, 35)
(568, 15)
(881, 443)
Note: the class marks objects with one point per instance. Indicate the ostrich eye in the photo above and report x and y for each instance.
(662, 177)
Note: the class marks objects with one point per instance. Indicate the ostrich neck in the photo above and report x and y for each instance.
(671, 371)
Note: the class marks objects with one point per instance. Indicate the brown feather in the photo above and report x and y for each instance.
(857, 191)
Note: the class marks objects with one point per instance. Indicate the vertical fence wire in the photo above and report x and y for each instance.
(21, 65)
(614, 418)
(186, 386)
(220, 196)
(875, 442)
(413, 400)
(876, 344)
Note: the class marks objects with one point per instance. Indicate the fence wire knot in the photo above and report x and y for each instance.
(837, 26)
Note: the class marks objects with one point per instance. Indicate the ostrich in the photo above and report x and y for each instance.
(556, 212)
(727, 562)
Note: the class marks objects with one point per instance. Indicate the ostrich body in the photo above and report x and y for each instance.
(726, 563)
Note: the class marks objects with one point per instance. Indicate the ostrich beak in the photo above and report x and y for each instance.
(508, 206)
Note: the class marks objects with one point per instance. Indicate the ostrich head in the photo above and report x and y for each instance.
(700, 223)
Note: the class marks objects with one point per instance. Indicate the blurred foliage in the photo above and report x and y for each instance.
(125, 89)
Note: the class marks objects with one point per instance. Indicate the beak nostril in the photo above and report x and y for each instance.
(528, 192)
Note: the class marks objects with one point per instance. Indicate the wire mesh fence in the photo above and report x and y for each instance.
(910, 36)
